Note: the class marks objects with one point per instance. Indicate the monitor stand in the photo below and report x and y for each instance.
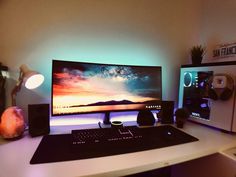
(106, 119)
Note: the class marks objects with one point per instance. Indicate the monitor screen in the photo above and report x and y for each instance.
(79, 87)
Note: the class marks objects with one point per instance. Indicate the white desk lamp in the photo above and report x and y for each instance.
(12, 123)
(30, 79)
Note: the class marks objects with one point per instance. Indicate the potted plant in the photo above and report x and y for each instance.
(181, 115)
(197, 53)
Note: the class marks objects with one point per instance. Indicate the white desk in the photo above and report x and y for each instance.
(15, 157)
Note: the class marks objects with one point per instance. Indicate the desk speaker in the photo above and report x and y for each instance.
(167, 112)
(38, 117)
(145, 117)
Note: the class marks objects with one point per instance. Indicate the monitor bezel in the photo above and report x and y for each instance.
(107, 64)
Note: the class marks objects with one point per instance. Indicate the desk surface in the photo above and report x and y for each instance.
(15, 156)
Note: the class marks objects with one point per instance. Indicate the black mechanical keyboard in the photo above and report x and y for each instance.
(106, 135)
(110, 141)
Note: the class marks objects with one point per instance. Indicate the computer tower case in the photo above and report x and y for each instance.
(208, 92)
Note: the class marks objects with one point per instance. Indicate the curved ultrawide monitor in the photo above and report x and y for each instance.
(79, 87)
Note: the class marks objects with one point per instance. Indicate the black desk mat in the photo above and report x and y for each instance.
(57, 148)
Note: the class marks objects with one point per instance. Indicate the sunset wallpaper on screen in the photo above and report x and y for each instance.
(86, 87)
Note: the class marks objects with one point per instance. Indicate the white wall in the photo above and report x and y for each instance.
(141, 32)
(218, 25)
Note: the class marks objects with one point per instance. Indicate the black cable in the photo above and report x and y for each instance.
(99, 124)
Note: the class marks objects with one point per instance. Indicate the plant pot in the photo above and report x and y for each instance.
(180, 121)
(196, 60)
(181, 116)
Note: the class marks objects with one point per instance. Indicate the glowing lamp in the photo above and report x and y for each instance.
(12, 122)
(30, 79)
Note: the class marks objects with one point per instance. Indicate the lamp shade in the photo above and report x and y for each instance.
(31, 79)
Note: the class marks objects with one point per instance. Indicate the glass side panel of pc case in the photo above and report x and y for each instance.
(195, 93)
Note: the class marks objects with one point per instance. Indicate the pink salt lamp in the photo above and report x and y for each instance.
(12, 123)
